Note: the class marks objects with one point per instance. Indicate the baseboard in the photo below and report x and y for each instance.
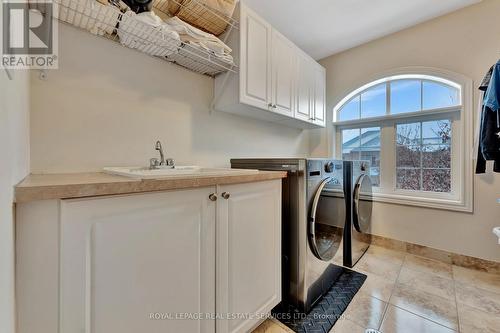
(440, 255)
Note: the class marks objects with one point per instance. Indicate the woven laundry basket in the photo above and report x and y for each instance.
(166, 8)
(210, 15)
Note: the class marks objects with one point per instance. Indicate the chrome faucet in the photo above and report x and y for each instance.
(161, 163)
(159, 147)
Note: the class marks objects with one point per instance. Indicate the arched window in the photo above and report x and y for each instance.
(411, 128)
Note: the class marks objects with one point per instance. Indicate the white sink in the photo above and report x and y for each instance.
(176, 172)
(496, 231)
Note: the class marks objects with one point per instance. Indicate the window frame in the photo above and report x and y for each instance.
(461, 196)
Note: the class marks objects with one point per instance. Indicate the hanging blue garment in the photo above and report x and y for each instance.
(489, 135)
(492, 95)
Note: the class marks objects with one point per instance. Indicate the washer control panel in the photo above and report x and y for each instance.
(329, 167)
(318, 169)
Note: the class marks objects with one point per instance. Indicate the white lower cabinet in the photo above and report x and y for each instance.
(127, 262)
(248, 254)
(154, 262)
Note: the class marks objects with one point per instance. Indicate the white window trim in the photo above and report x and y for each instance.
(461, 199)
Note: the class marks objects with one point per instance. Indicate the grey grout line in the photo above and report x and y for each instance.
(456, 301)
(388, 303)
(424, 318)
(416, 314)
(392, 292)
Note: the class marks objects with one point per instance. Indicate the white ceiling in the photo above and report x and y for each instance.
(324, 27)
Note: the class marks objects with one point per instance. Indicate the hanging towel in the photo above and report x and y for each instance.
(489, 135)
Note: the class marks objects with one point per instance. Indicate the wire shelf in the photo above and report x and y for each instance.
(109, 22)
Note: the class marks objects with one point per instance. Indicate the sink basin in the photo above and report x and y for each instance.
(145, 173)
(496, 231)
(177, 172)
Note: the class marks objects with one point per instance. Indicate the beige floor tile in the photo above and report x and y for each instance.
(474, 321)
(431, 283)
(397, 320)
(365, 311)
(481, 299)
(346, 326)
(383, 253)
(428, 265)
(477, 278)
(272, 326)
(438, 309)
(379, 267)
(378, 287)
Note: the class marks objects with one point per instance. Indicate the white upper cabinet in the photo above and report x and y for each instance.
(310, 92)
(319, 114)
(255, 60)
(305, 88)
(283, 78)
(276, 81)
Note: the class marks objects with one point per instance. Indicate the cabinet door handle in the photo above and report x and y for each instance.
(270, 105)
(226, 195)
(275, 106)
(213, 197)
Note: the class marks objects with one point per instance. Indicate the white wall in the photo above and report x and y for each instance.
(465, 42)
(14, 149)
(107, 105)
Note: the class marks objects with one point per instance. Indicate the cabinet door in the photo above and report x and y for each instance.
(319, 95)
(255, 60)
(283, 67)
(130, 264)
(248, 253)
(305, 82)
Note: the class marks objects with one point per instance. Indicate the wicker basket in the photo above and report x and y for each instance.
(210, 15)
(166, 7)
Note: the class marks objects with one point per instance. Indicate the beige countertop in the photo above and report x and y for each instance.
(76, 185)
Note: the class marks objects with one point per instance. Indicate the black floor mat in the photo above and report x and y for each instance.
(326, 311)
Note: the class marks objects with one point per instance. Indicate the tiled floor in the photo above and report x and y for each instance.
(407, 293)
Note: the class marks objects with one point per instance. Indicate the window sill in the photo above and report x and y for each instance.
(436, 203)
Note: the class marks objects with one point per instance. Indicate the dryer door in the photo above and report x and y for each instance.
(363, 201)
(326, 220)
